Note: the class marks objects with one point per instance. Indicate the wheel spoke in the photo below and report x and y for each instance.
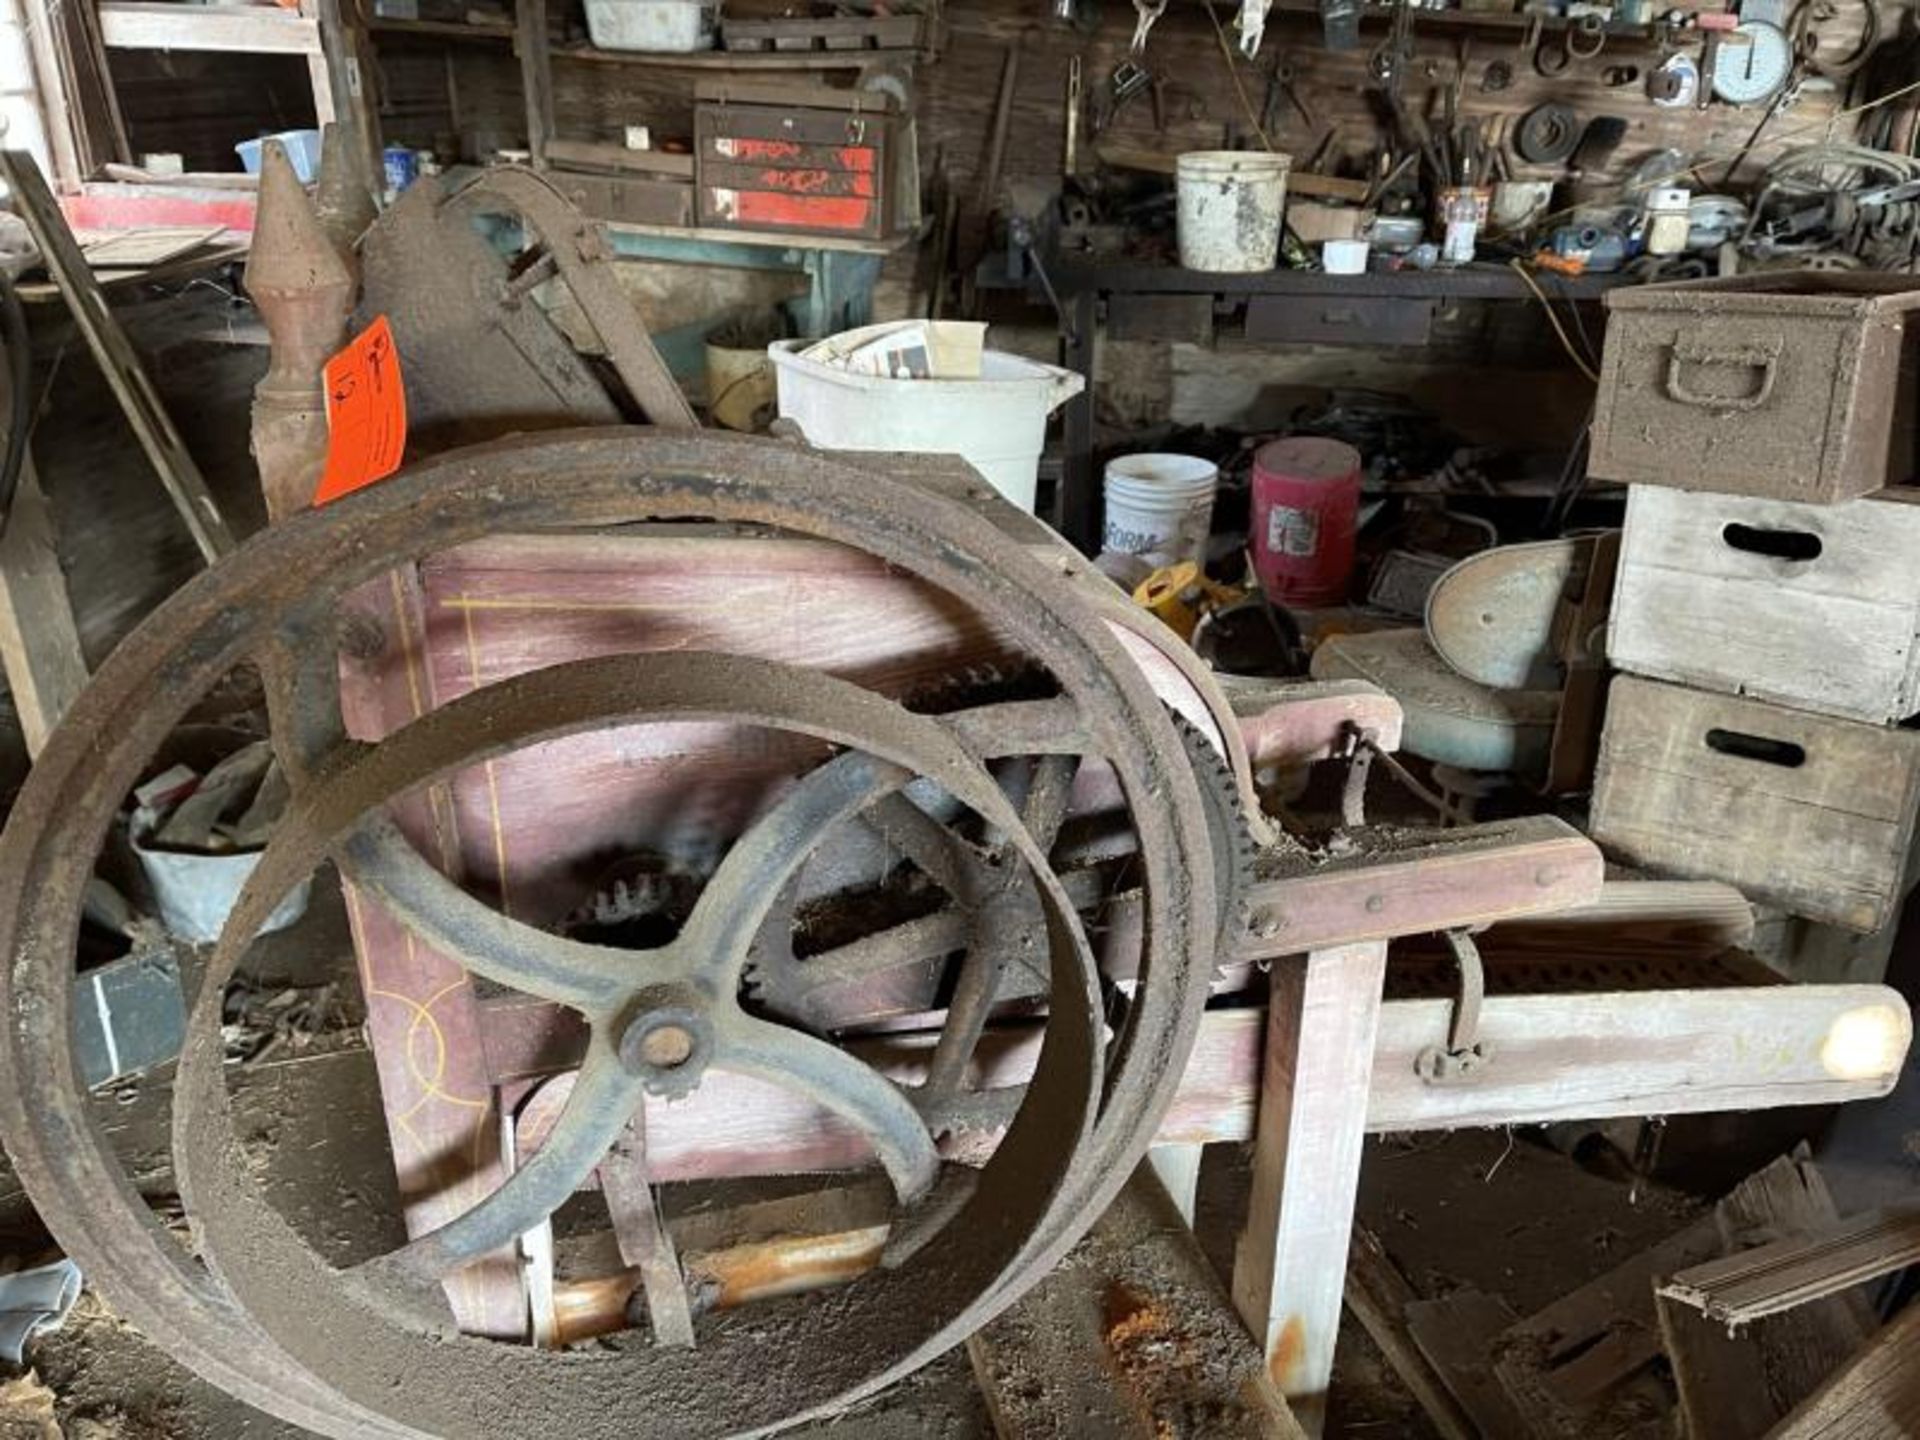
(382, 861)
(1021, 727)
(933, 848)
(1048, 794)
(914, 942)
(1004, 936)
(748, 884)
(836, 1081)
(604, 1097)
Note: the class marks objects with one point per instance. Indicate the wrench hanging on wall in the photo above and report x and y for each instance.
(1252, 25)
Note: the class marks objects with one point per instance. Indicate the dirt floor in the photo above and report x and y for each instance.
(1498, 1213)
(1504, 1213)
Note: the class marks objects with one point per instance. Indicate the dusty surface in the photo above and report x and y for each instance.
(104, 1382)
(1131, 1336)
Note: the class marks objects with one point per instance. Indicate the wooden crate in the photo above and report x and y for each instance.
(1803, 811)
(1799, 386)
(773, 167)
(1815, 606)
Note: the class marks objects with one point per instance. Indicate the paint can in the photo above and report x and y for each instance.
(1159, 507)
(1306, 494)
(1230, 203)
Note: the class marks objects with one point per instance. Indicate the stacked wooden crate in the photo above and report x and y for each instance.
(1767, 610)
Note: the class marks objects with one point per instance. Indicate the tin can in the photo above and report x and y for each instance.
(402, 167)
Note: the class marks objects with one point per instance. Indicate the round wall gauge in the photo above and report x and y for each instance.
(1747, 74)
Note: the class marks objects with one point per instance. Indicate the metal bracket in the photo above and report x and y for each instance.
(1464, 1052)
(1357, 748)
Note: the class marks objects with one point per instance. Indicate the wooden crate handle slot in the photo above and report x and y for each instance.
(1743, 746)
(1775, 544)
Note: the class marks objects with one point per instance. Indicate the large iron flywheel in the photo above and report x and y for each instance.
(371, 1349)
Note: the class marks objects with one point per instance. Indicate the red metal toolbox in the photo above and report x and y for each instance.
(775, 167)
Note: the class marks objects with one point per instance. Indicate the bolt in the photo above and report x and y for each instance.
(667, 1047)
(1376, 903)
(1266, 924)
(1546, 875)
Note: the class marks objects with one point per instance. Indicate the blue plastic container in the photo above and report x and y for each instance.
(303, 148)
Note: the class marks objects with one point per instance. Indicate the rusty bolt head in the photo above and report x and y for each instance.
(667, 1047)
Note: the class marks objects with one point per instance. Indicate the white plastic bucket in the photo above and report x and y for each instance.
(998, 423)
(1159, 507)
(663, 26)
(1230, 203)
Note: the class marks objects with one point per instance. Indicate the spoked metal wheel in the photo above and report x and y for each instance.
(369, 1349)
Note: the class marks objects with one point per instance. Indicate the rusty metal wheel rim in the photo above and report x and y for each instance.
(241, 610)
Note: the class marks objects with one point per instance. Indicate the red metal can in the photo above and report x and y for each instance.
(1306, 493)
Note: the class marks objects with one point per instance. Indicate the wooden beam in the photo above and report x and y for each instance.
(243, 29)
(114, 353)
(52, 78)
(1800, 1347)
(39, 644)
(1379, 1297)
(534, 44)
(1130, 1338)
(1415, 884)
(1454, 1335)
(1291, 1263)
(1298, 722)
(1431, 880)
(1554, 1057)
(1875, 1396)
(1659, 1052)
(1178, 1168)
(1721, 1376)
(1590, 1339)
(1767, 1279)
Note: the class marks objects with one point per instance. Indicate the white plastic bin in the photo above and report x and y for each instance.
(663, 26)
(1229, 204)
(998, 423)
(303, 149)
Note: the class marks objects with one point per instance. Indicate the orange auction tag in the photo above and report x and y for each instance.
(366, 413)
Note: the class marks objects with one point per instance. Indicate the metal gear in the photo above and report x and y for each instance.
(366, 1351)
(1229, 837)
(917, 941)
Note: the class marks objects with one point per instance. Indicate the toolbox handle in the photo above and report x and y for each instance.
(1763, 358)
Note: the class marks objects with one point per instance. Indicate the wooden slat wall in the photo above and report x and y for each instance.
(1203, 108)
(1202, 103)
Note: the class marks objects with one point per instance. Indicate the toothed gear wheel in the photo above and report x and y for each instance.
(635, 894)
(986, 682)
(1228, 835)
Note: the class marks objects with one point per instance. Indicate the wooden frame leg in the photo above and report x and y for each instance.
(1290, 1268)
(1178, 1167)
